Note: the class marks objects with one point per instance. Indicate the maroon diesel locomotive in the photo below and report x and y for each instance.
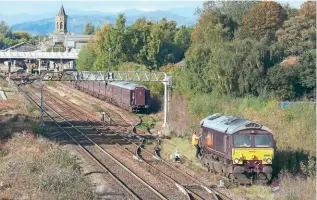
(130, 96)
(240, 149)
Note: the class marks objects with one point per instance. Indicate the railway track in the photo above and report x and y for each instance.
(173, 194)
(111, 116)
(190, 185)
(131, 183)
(160, 181)
(219, 194)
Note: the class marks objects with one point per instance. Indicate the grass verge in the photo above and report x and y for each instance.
(34, 168)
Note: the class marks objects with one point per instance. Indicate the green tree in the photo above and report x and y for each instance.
(182, 39)
(308, 9)
(205, 41)
(283, 82)
(154, 46)
(89, 29)
(118, 41)
(101, 48)
(97, 29)
(298, 34)
(139, 34)
(169, 51)
(307, 71)
(236, 9)
(294, 81)
(5, 30)
(86, 58)
(264, 19)
(291, 12)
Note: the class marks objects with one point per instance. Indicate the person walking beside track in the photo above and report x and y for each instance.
(195, 142)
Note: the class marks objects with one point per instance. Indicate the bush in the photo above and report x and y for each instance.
(130, 66)
(40, 130)
(146, 122)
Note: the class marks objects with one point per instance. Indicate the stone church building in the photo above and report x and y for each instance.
(62, 36)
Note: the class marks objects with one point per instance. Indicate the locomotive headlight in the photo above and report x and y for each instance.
(236, 160)
(269, 160)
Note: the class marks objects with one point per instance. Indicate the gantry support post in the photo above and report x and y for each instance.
(9, 70)
(39, 66)
(165, 125)
(167, 86)
(28, 66)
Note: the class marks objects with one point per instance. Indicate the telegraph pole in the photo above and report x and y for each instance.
(42, 102)
(109, 50)
(9, 69)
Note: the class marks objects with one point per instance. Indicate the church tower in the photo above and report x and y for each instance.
(61, 21)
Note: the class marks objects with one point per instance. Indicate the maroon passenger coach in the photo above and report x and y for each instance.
(130, 96)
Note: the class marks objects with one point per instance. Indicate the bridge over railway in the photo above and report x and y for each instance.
(9, 55)
(59, 58)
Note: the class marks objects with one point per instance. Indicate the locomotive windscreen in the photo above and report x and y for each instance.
(251, 140)
(263, 141)
(242, 140)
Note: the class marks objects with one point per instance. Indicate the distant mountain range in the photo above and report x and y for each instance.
(77, 19)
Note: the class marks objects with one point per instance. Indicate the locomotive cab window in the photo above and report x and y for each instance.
(263, 140)
(242, 140)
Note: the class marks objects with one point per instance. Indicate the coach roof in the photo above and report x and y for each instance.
(229, 124)
(126, 85)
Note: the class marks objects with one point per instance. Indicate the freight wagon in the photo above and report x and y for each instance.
(237, 148)
(130, 96)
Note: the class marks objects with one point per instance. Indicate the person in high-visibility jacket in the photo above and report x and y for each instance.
(195, 142)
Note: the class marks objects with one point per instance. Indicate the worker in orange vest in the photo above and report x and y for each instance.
(195, 142)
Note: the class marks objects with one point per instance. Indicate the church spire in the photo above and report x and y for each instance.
(61, 21)
(61, 11)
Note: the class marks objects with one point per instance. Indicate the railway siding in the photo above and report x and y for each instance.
(137, 186)
(202, 191)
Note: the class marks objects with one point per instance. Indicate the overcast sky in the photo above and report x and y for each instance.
(32, 7)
